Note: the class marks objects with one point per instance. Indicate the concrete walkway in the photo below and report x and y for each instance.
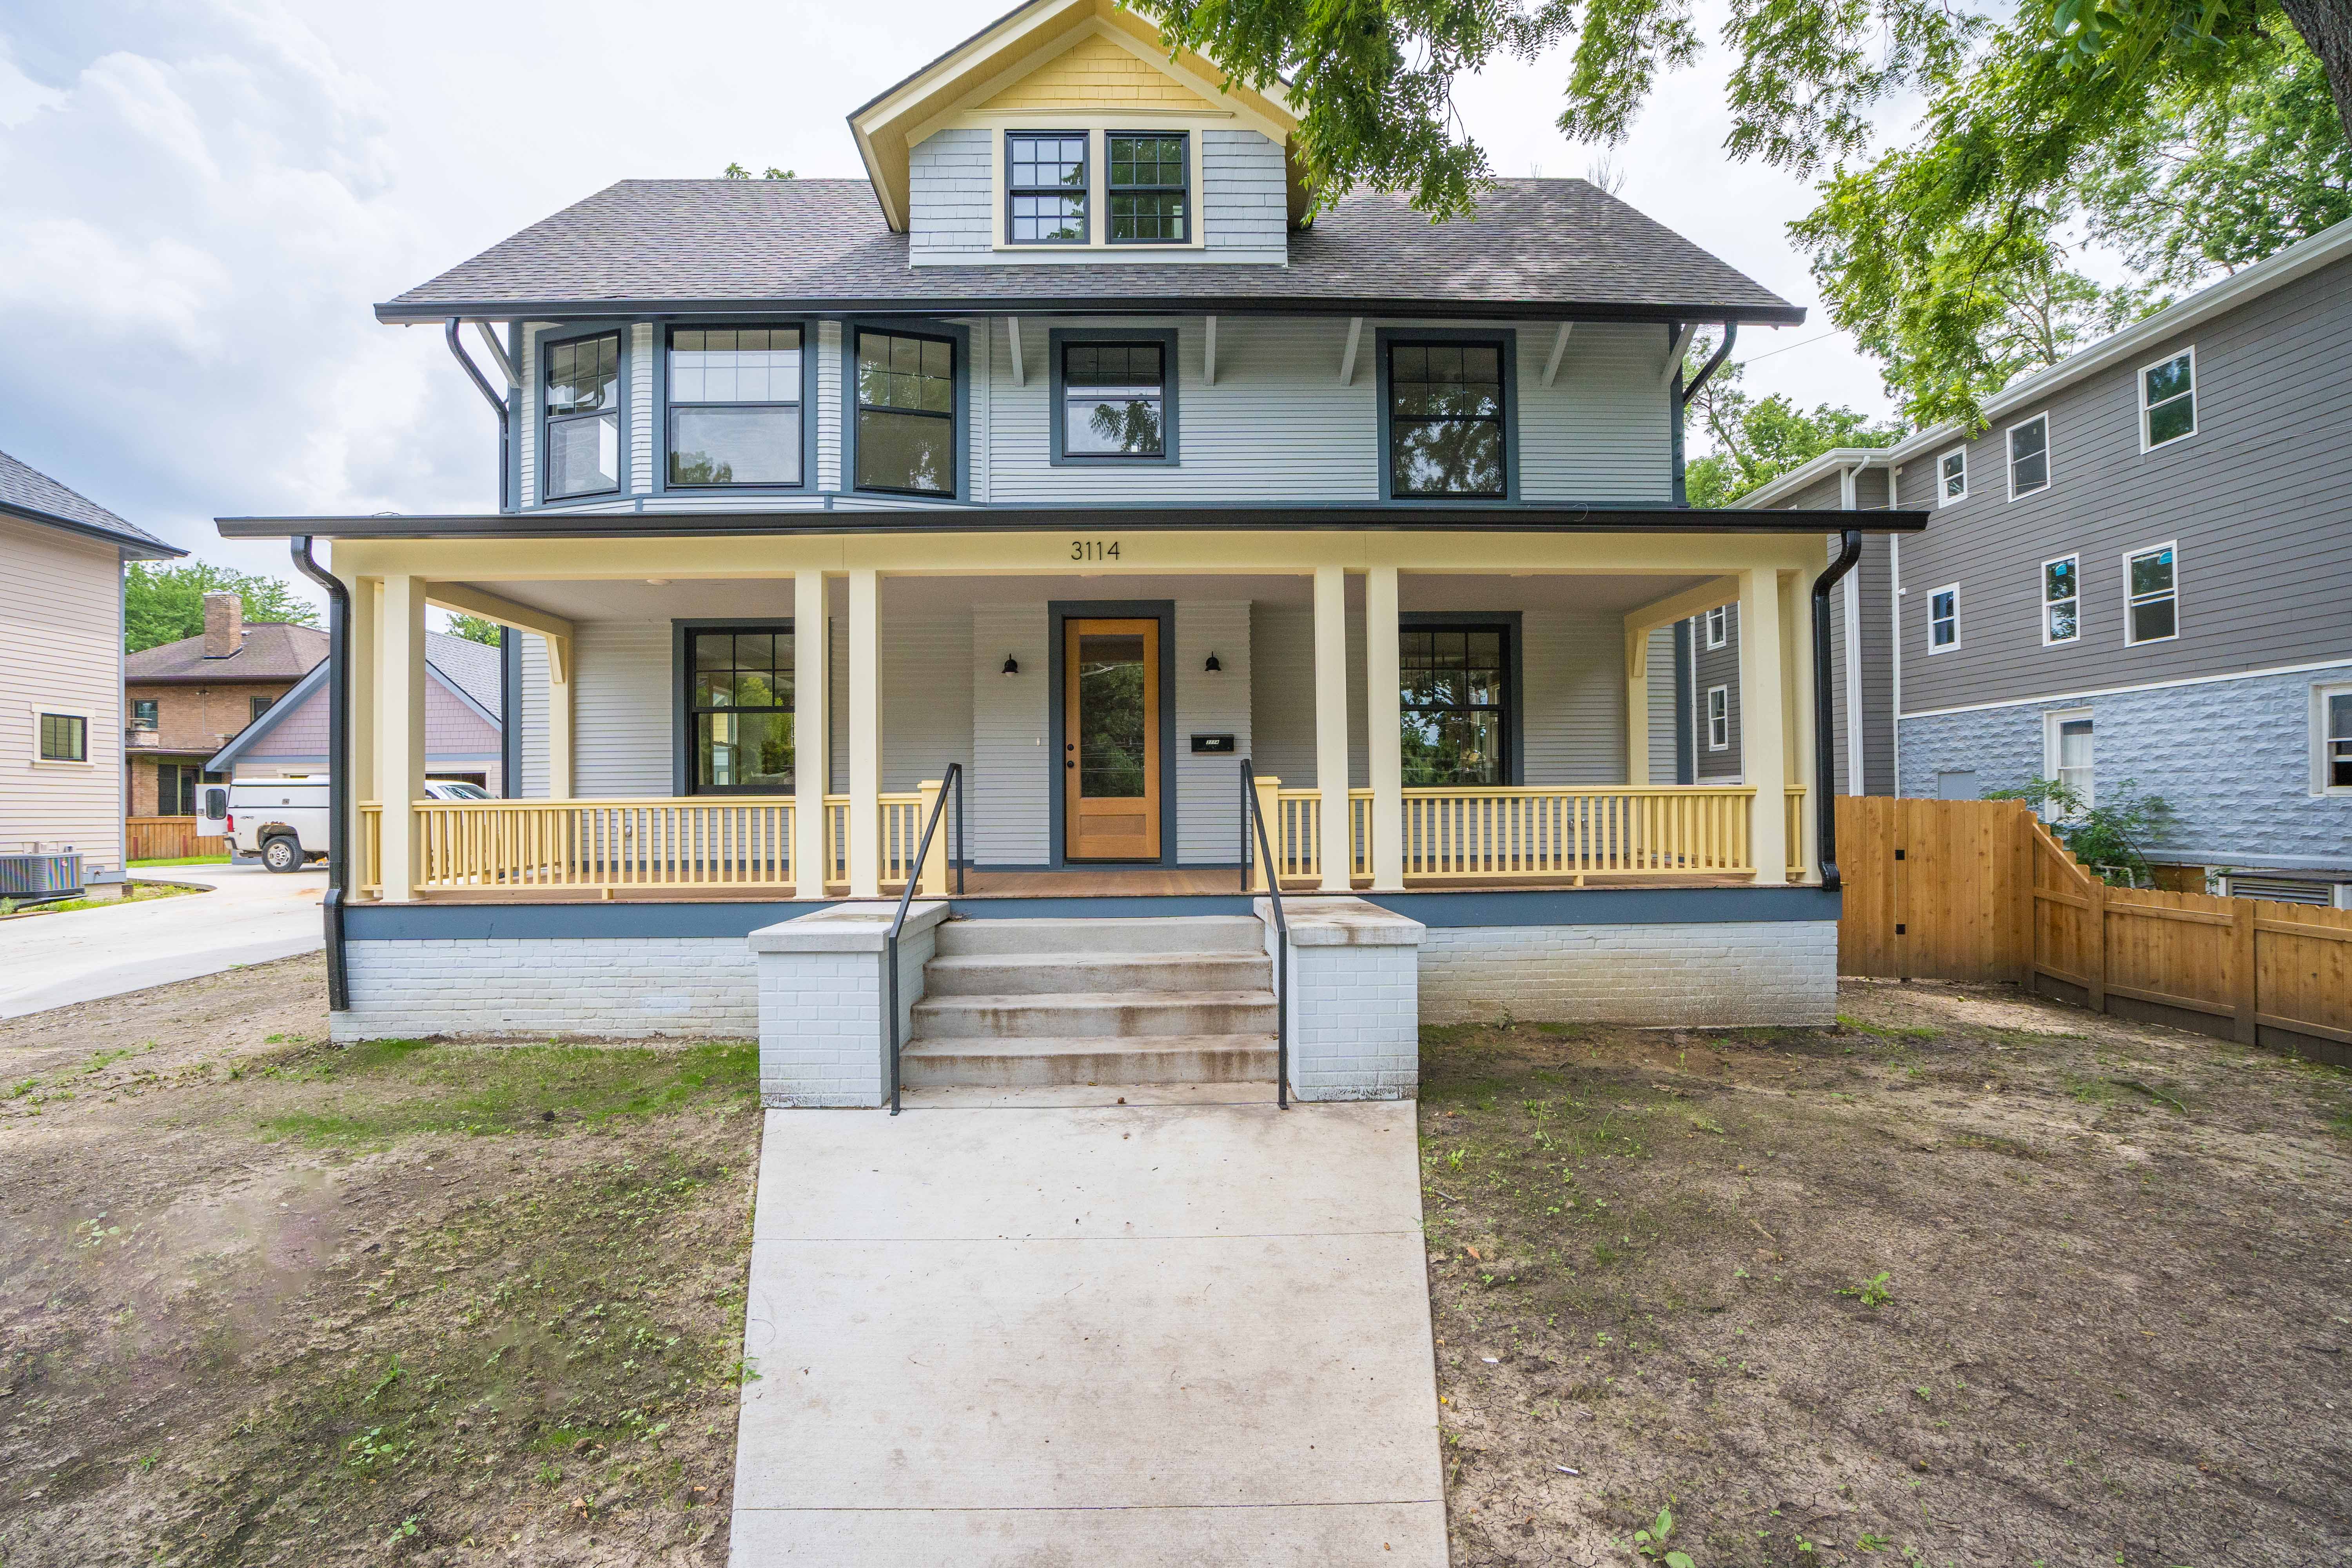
(250, 916)
(1031, 1327)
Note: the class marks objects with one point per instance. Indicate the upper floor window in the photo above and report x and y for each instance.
(740, 698)
(1446, 420)
(734, 405)
(144, 714)
(1457, 704)
(65, 737)
(1114, 400)
(1718, 626)
(2168, 400)
(2061, 600)
(906, 435)
(259, 705)
(1046, 187)
(1952, 477)
(583, 416)
(2151, 595)
(1944, 619)
(1149, 176)
(2029, 456)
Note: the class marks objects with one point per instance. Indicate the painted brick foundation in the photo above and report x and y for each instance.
(628, 987)
(1355, 1000)
(821, 996)
(1748, 972)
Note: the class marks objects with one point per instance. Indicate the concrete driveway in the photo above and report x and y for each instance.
(250, 915)
(1006, 1327)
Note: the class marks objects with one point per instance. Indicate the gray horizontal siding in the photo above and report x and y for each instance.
(1715, 667)
(620, 704)
(2259, 501)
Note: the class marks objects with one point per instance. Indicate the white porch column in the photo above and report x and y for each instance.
(1797, 636)
(1384, 728)
(1331, 722)
(559, 653)
(366, 667)
(1763, 724)
(865, 735)
(400, 730)
(812, 733)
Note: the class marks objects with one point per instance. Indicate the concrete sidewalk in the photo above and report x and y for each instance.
(250, 916)
(1006, 1327)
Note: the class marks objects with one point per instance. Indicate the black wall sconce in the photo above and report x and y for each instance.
(1212, 667)
(1011, 665)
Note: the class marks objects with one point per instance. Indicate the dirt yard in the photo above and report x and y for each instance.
(266, 1302)
(1974, 1279)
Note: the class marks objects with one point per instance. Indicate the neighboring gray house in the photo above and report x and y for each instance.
(2139, 572)
(465, 741)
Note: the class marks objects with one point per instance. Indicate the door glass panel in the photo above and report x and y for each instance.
(1111, 717)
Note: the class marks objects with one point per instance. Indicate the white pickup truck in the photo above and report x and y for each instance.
(283, 821)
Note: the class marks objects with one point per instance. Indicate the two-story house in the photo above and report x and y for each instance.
(1062, 482)
(187, 698)
(2137, 578)
(61, 715)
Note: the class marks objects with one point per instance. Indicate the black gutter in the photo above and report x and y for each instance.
(1406, 518)
(1825, 741)
(1731, 336)
(143, 547)
(506, 423)
(339, 769)
(392, 313)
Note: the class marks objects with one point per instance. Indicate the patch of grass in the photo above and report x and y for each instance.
(184, 860)
(401, 1088)
(134, 893)
(1886, 1031)
(2091, 1090)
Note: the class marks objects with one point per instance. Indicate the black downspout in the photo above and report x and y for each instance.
(1824, 705)
(1715, 362)
(506, 433)
(339, 767)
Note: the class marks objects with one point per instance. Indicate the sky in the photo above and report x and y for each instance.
(200, 200)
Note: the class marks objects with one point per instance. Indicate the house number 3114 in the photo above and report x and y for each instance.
(1094, 550)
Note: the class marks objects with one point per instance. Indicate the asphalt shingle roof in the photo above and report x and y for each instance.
(471, 667)
(24, 488)
(272, 651)
(823, 244)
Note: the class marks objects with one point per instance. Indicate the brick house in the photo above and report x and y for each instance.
(184, 701)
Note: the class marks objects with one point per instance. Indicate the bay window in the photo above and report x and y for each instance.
(906, 429)
(735, 405)
(583, 417)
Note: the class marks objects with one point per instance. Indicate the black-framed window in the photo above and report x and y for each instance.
(1446, 420)
(735, 405)
(176, 789)
(144, 714)
(259, 705)
(1046, 187)
(583, 416)
(1114, 400)
(65, 737)
(906, 414)
(1150, 187)
(739, 710)
(1456, 695)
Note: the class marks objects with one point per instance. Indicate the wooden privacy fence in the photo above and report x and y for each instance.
(167, 838)
(1981, 890)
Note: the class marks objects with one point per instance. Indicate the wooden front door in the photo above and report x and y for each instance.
(1110, 734)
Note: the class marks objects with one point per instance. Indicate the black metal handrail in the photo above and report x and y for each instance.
(952, 785)
(1251, 813)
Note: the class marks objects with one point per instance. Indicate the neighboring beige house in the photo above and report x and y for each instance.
(187, 699)
(61, 715)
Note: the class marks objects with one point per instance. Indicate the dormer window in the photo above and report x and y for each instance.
(1046, 187)
(1147, 196)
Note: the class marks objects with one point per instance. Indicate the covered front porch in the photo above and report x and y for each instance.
(1493, 712)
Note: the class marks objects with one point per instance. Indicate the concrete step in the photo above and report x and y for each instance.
(1124, 1014)
(1027, 973)
(1173, 933)
(1030, 1063)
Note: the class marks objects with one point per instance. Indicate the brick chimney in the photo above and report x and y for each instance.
(224, 625)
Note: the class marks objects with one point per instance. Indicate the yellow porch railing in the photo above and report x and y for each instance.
(1459, 834)
(1796, 830)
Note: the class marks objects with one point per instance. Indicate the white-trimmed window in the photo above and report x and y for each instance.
(1718, 718)
(64, 737)
(1718, 626)
(2029, 456)
(2331, 735)
(1952, 477)
(2066, 738)
(1944, 618)
(2061, 600)
(2151, 595)
(2168, 400)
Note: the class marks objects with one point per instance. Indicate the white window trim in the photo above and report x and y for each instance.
(88, 736)
(1717, 625)
(2320, 692)
(2041, 587)
(2052, 722)
(1953, 646)
(1724, 718)
(2128, 557)
(1942, 498)
(2008, 456)
(2139, 394)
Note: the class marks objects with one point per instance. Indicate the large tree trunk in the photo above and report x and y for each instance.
(2326, 26)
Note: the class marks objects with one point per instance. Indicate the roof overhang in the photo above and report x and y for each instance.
(888, 126)
(1383, 308)
(1408, 517)
(132, 547)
